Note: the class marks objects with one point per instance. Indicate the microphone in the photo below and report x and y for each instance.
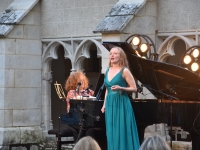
(171, 88)
(87, 88)
(77, 88)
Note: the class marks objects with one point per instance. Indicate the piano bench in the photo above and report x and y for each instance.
(63, 133)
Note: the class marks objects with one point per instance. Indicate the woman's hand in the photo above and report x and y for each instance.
(115, 87)
(91, 92)
(103, 109)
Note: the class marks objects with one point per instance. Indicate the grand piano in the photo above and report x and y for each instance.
(177, 93)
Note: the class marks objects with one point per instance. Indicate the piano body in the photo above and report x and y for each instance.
(157, 77)
(89, 111)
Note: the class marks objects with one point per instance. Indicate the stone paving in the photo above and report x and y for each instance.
(163, 131)
(52, 146)
(149, 131)
(176, 145)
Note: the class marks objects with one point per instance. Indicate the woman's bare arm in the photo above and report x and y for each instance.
(130, 81)
(104, 103)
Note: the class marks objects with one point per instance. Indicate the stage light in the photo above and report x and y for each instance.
(144, 47)
(136, 41)
(195, 53)
(191, 59)
(137, 53)
(144, 57)
(187, 59)
(195, 66)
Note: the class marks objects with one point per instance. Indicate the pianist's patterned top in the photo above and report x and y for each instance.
(121, 128)
(72, 94)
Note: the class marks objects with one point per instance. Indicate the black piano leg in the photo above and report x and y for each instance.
(141, 130)
(195, 139)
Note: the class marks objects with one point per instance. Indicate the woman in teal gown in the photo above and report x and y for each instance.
(121, 128)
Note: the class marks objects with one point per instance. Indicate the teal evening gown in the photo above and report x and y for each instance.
(121, 128)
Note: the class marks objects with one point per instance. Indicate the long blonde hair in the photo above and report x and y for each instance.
(124, 61)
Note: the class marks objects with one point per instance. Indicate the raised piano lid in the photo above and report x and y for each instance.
(157, 75)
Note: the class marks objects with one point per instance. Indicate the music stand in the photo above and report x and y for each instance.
(66, 132)
(61, 95)
(59, 90)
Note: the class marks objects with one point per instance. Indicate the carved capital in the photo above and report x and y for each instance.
(48, 76)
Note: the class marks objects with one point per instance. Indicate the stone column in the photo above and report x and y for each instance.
(46, 101)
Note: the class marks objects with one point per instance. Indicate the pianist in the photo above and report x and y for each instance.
(77, 86)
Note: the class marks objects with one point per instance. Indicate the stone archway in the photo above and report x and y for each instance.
(167, 47)
(82, 52)
(76, 54)
(47, 57)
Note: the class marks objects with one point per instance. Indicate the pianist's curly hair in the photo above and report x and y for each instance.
(124, 61)
(73, 80)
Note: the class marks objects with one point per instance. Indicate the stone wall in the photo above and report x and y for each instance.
(178, 15)
(4, 4)
(144, 22)
(20, 85)
(67, 18)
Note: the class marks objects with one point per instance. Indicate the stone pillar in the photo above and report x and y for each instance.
(46, 101)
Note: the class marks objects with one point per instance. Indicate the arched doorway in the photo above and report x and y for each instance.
(92, 66)
(75, 53)
(60, 71)
(179, 49)
(172, 48)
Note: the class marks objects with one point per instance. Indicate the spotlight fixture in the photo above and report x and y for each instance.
(191, 60)
(195, 53)
(194, 66)
(144, 57)
(143, 46)
(187, 59)
(136, 40)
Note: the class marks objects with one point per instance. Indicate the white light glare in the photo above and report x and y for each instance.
(136, 41)
(195, 53)
(187, 59)
(144, 47)
(194, 66)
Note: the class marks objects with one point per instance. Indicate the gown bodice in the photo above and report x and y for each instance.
(116, 80)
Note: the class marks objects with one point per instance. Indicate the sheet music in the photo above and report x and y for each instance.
(59, 90)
